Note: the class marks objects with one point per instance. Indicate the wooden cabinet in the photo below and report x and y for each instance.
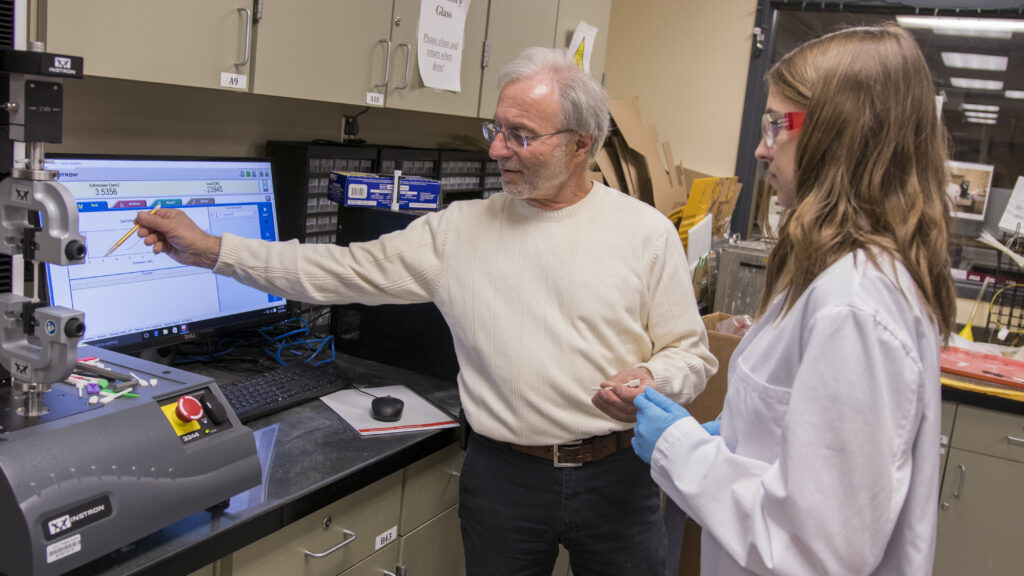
(344, 51)
(979, 505)
(164, 42)
(327, 50)
(330, 540)
(352, 51)
(405, 88)
(512, 26)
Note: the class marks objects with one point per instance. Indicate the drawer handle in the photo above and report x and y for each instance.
(350, 537)
(960, 485)
(1015, 440)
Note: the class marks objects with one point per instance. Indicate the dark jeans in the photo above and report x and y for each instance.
(516, 508)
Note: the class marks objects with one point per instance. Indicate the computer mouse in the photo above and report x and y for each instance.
(386, 408)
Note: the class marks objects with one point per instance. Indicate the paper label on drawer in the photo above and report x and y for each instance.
(386, 538)
(229, 80)
(374, 99)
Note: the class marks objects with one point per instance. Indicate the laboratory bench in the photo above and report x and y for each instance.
(315, 460)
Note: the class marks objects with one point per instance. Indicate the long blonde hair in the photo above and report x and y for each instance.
(870, 165)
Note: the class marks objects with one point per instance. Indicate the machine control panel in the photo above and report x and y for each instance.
(195, 415)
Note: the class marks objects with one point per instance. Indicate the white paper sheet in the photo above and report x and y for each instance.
(439, 43)
(1014, 214)
(417, 414)
(582, 45)
(698, 242)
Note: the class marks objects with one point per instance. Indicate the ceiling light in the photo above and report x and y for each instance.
(1018, 94)
(976, 84)
(981, 120)
(980, 107)
(980, 27)
(974, 61)
(991, 115)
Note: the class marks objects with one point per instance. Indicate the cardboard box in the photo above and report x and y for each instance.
(373, 190)
(708, 405)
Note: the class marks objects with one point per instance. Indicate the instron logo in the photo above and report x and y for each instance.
(62, 62)
(76, 518)
(58, 525)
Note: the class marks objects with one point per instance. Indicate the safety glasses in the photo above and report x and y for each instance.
(773, 123)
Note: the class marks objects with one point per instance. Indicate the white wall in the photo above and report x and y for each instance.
(687, 61)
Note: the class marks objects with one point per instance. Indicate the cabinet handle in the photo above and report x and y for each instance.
(350, 537)
(248, 35)
(408, 53)
(1015, 440)
(960, 485)
(387, 62)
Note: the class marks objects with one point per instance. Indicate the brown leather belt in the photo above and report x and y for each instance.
(579, 453)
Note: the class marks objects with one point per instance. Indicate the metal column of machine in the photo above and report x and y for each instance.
(80, 479)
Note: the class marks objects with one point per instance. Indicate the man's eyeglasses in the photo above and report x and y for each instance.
(773, 123)
(513, 139)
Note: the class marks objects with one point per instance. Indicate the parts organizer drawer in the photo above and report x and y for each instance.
(360, 519)
(989, 432)
(431, 487)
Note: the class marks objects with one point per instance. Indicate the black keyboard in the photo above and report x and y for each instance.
(258, 395)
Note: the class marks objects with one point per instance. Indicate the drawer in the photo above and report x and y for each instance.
(365, 515)
(435, 547)
(989, 432)
(431, 487)
(384, 561)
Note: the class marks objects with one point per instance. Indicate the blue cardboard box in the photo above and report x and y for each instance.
(373, 190)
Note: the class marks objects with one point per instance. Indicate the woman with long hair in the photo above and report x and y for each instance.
(825, 459)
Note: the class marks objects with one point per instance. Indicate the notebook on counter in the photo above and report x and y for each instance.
(983, 367)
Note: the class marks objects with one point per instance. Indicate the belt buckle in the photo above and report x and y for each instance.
(554, 457)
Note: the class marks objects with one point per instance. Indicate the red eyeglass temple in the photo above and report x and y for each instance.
(795, 120)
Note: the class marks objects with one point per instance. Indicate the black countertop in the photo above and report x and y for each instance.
(316, 459)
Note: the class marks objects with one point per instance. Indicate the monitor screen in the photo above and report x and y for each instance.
(133, 299)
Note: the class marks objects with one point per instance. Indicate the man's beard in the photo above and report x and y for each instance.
(538, 181)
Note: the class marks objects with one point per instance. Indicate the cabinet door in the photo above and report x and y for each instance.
(166, 42)
(435, 549)
(979, 516)
(406, 89)
(594, 12)
(327, 50)
(512, 26)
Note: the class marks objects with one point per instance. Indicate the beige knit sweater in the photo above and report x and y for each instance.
(543, 305)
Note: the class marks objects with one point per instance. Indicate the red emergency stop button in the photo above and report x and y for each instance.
(189, 409)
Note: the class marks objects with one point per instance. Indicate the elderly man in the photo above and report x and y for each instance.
(554, 288)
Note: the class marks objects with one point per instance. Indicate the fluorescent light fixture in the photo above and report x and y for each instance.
(981, 120)
(976, 84)
(974, 61)
(980, 107)
(979, 27)
(1017, 94)
(990, 115)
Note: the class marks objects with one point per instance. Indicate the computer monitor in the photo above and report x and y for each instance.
(133, 299)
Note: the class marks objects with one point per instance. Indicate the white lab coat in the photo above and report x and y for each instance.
(828, 462)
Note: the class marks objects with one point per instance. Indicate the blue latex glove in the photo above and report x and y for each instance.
(655, 413)
(713, 427)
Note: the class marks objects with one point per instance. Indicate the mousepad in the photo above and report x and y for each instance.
(417, 414)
